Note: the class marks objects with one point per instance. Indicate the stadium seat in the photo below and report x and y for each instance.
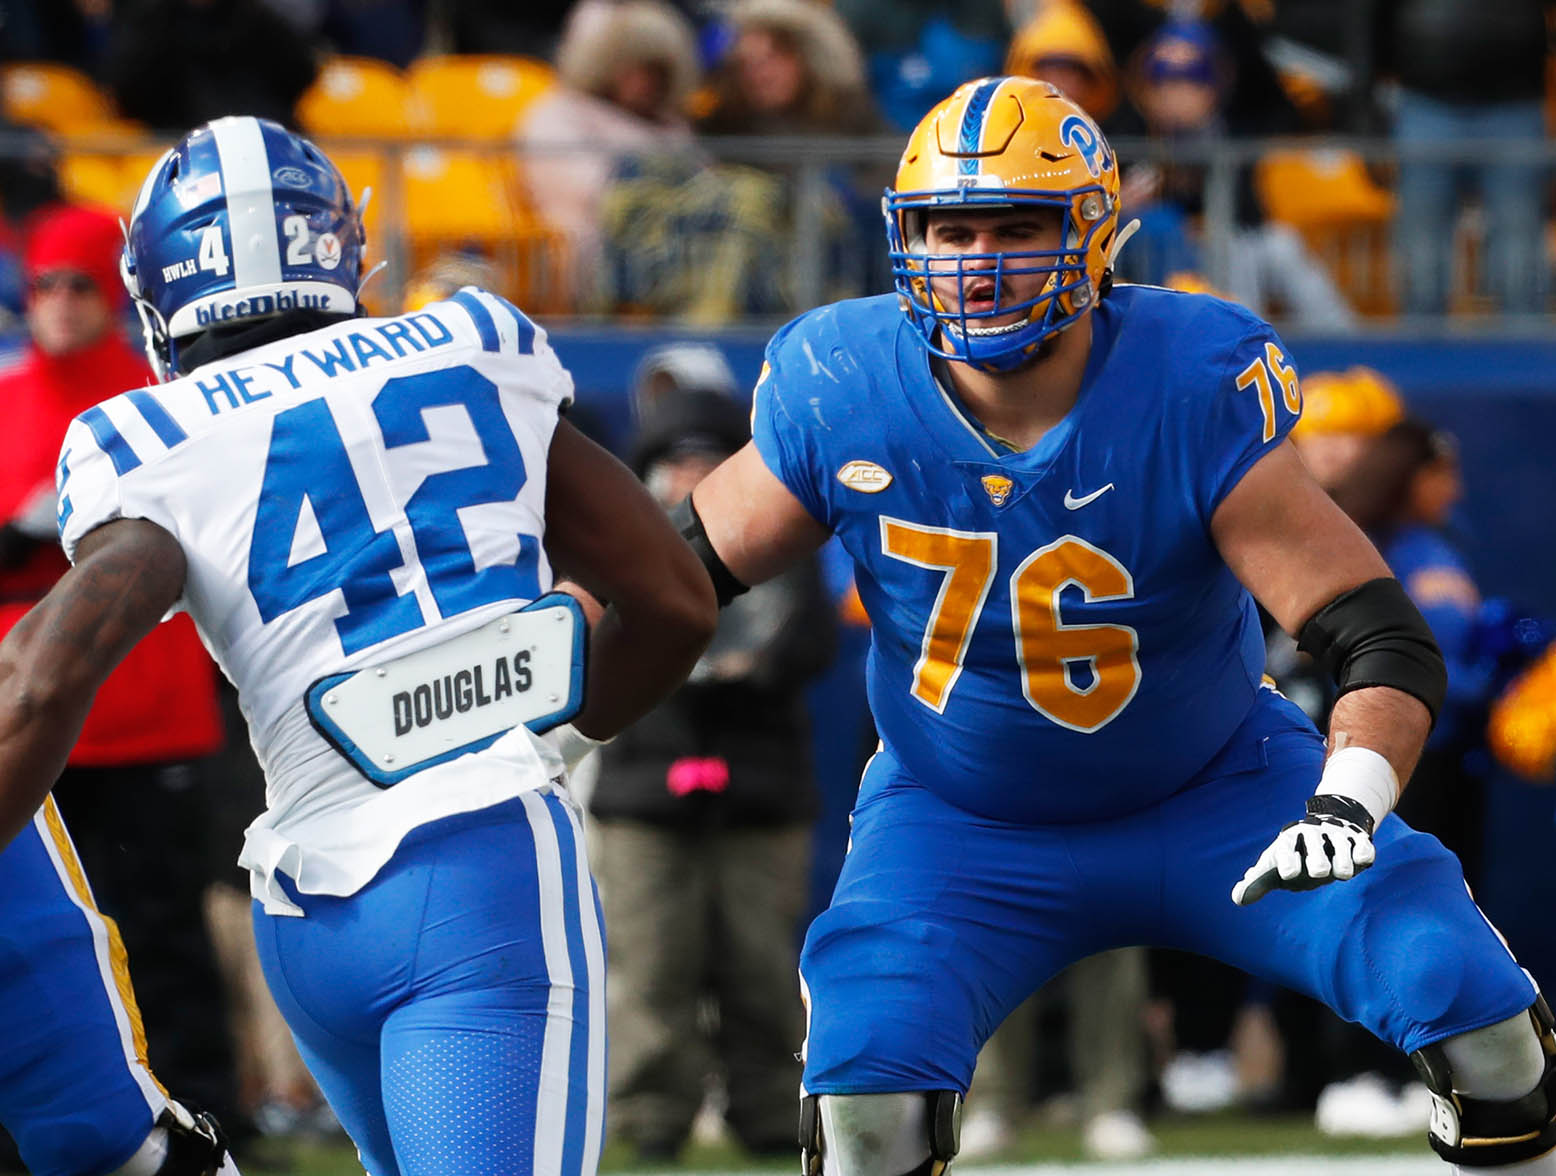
(97, 178)
(457, 195)
(108, 178)
(59, 99)
(470, 199)
(1343, 214)
(1320, 188)
(357, 96)
(474, 96)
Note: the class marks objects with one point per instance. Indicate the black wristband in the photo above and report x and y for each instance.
(1341, 808)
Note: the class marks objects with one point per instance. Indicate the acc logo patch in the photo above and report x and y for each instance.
(292, 177)
(997, 487)
(864, 476)
(327, 250)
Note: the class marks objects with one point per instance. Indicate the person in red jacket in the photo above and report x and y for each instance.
(135, 776)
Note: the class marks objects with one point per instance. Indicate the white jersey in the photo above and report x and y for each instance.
(343, 498)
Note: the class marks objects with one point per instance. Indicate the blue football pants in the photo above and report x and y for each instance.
(75, 1091)
(453, 1010)
(943, 922)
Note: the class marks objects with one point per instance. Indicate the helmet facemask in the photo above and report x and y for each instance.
(954, 332)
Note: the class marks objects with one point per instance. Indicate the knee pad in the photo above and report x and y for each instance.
(909, 1134)
(1482, 1132)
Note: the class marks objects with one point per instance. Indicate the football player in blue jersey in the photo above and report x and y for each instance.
(76, 1092)
(1062, 498)
(359, 514)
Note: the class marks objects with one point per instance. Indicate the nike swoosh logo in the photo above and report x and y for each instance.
(1073, 503)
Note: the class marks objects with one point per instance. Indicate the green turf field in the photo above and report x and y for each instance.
(1223, 1145)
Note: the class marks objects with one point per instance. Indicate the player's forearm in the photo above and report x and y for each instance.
(1381, 719)
(639, 653)
(40, 717)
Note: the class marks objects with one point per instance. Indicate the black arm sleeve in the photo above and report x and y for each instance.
(1374, 635)
(725, 585)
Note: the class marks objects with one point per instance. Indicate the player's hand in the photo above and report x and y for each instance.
(1332, 843)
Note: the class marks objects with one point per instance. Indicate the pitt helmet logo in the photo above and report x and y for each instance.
(864, 476)
(1079, 133)
(997, 487)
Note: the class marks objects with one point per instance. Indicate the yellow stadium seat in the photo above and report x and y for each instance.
(460, 199)
(364, 169)
(1342, 213)
(96, 179)
(137, 166)
(107, 178)
(59, 99)
(454, 195)
(1323, 187)
(474, 96)
(356, 96)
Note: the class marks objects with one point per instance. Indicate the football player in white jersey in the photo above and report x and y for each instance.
(365, 518)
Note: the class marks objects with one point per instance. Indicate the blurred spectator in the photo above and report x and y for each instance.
(1255, 101)
(1179, 83)
(1402, 490)
(1400, 487)
(654, 228)
(174, 64)
(390, 30)
(29, 187)
(703, 813)
(1522, 730)
(1342, 412)
(626, 70)
(1472, 73)
(1063, 45)
(74, 32)
(918, 51)
(532, 29)
(134, 781)
(1105, 997)
(793, 69)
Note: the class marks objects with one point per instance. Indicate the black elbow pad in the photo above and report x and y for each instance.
(725, 584)
(1374, 635)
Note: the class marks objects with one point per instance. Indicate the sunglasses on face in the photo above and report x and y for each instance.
(68, 280)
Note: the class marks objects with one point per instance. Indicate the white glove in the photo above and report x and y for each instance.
(1333, 843)
(1306, 854)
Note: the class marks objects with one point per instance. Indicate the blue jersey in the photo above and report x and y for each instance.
(1056, 637)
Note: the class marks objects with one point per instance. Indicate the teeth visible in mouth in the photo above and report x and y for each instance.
(984, 332)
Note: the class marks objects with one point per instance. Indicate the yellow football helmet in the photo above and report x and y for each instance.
(1001, 143)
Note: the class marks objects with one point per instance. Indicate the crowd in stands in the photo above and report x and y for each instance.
(597, 177)
(584, 147)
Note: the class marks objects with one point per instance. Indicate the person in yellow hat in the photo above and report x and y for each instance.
(1341, 413)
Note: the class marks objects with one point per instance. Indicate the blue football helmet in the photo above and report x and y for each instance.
(240, 221)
